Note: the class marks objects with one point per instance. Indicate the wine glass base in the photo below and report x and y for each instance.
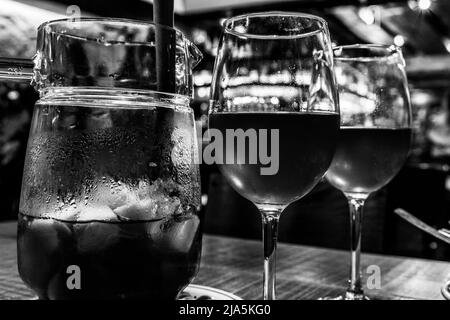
(348, 296)
(446, 290)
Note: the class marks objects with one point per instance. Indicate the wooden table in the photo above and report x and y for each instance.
(235, 265)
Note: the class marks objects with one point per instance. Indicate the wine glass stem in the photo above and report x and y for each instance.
(355, 290)
(270, 221)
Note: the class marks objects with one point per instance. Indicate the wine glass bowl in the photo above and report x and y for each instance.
(274, 70)
(375, 113)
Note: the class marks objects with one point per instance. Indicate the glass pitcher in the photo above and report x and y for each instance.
(111, 190)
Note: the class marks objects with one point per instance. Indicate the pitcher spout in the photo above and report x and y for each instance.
(194, 53)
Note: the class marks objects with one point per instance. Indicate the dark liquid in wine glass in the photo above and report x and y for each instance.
(306, 146)
(366, 159)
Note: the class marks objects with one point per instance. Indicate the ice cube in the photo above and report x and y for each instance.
(94, 237)
(177, 236)
(150, 201)
(145, 189)
(82, 213)
(41, 245)
(137, 210)
(112, 197)
(168, 206)
(97, 213)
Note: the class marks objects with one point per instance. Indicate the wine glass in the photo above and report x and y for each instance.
(273, 93)
(375, 134)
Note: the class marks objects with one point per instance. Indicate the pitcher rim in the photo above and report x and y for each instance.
(43, 25)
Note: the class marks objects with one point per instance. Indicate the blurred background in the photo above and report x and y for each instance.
(420, 27)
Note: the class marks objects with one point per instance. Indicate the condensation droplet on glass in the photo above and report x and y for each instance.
(54, 120)
(45, 110)
(115, 76)
(102, 37)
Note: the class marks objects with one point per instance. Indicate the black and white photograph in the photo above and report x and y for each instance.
(213, 156)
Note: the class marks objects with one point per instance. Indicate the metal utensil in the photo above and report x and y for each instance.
(441, 234)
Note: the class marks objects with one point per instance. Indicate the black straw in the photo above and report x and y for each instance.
(165, 45)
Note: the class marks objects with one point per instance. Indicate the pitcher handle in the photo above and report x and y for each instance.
(15, 69)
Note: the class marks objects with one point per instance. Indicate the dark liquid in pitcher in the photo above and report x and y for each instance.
(104, 260)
